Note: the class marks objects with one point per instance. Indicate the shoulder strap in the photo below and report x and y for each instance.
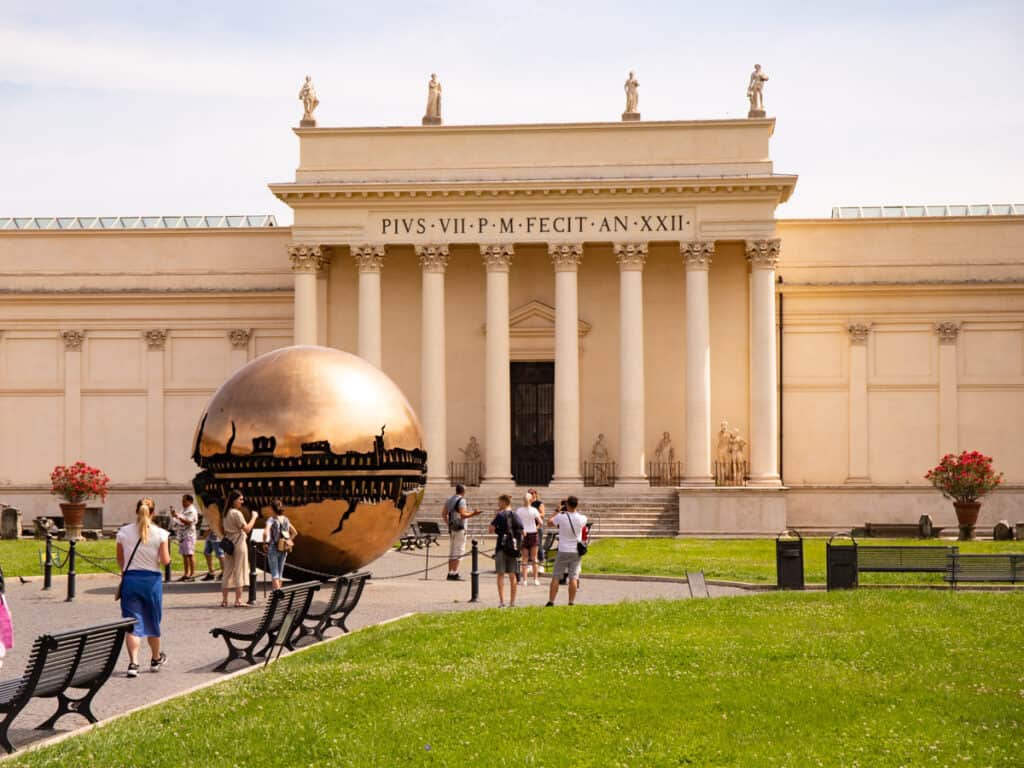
(568, 516)
(129, 563)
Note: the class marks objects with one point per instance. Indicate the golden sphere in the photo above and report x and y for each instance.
(327, 434)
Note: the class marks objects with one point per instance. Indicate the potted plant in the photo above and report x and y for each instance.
(75, 484)
(965, 479)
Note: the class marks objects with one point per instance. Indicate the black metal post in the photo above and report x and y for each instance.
(426, 564)
(71, 570)
(252, 571)
(474, 576)
(48, 564)
(167, 572)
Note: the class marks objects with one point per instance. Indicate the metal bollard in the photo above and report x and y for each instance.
(426, 563)
(48, 564)
(474, 576)
(167, 572)
(71, 571)
(252, 572)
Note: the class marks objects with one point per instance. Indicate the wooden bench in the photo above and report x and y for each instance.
(80, 658)
(248, 634)
(904, 559)
(420, 535)
(343, 600)
(998, 567)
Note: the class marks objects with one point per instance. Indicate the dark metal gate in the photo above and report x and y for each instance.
(533, 422)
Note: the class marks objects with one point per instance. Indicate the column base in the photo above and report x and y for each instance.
(765, 481)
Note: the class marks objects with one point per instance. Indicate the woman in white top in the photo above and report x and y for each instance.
(530, 518)
(142, 552)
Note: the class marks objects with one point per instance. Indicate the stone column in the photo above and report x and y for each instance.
(697, 469)
(307, 261)
(566, 258)
(155, 342)
(370, 260)
(763, 256)
(433, 407)
(239, 338)
(72, 395)
(948, 395)
(498, 398)
(859, 467)
(632, 458)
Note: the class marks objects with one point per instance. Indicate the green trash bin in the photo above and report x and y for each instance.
(841, 562)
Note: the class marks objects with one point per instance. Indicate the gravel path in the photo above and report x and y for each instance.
(191, 610)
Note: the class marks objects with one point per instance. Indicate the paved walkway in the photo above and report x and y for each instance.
(191, 610)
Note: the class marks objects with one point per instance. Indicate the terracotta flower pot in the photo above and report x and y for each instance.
(74, 516)
(967, 517)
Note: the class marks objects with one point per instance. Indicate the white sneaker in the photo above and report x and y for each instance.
(536, 582)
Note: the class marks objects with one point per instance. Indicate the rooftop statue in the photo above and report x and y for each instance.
(755, 91)
(632, 98)
(307, 95)
(433, 113)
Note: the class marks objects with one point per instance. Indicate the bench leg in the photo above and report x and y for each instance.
(4, 741)
(66, 705)
(234, 653)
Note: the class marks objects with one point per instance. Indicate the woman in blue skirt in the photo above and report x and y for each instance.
(142, 552)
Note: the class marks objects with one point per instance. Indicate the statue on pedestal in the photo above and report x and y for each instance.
(433, 113)
(473, 467)
(632, 98)
(600, 462)
(307, 95)
(755, 91)
(730, 464)
(664, 452)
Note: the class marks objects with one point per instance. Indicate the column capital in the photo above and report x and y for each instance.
(763, 254)
(369, 258)
(497, 257)
(697, 253)
(239, 338)
(859, 332)
(630, 256)
(566, 256)
(433, 258)
(156, 338)
(73, 340)
(308, 258)
(947, 331)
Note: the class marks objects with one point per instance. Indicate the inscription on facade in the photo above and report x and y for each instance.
(539, 226)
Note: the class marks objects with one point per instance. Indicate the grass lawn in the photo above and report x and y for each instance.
(749, 560)
(883, 678)
(22, 557)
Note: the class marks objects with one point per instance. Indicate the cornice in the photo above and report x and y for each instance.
(281, 231)
(616, 125)
(905, 221)
(296, 194)
(959, 288)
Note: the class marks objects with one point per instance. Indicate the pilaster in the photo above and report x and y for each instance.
(948, 333)
(631, 258)
(72, 395)
(859, 446)
(156, 341)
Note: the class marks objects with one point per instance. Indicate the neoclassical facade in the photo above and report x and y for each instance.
(548, 296)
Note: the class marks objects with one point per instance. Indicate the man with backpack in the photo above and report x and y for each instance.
(507, 548)
(454, 514)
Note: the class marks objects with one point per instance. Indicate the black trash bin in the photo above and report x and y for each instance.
(841, 562)
(789, 560)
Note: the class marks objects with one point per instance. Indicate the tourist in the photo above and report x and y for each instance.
(531, 520)
(507, 548)
(277, 537)
(212, 549)
(570, 524)
(454, 514)
(236, 564)
(537, 504)
(142, 551)
(185, 523)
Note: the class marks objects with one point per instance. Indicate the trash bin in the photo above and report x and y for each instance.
(789, 560)
(10, 523)
(841, 563)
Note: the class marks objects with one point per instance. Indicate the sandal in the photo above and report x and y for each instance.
(224, 604)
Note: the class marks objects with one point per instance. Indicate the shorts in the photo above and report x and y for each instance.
(456, 544)
(275, 562)
(187, 542)
(567, 563)
(212, 547)
(505, 564)
(530, 540)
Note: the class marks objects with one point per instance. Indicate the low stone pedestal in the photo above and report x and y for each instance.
(628, 117)
(732, 511)
(428, 120)
(756, 113)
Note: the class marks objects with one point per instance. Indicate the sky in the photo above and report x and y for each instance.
(186, 107)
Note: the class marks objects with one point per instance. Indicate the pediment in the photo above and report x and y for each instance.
(535, 318)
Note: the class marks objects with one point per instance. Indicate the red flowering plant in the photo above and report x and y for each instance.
(964, 478)
(78, 482)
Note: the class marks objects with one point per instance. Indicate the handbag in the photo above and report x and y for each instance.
(581, 547)
(227, 546)
(117, 592)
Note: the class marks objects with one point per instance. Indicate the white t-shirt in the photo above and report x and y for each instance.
(147, 557)
(566, 537)
(191, 514)
(527, 518)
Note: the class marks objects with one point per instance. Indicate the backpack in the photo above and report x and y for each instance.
(509, 542)
(455, 521)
